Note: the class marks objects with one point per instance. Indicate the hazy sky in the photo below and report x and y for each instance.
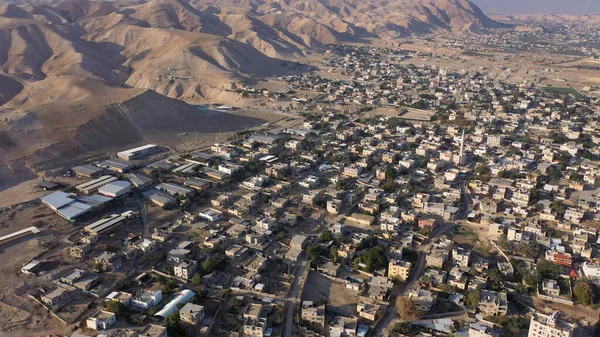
(540, 6)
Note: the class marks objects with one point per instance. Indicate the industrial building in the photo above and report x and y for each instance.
(175, 190)
(117, 165)
(87, 171)
(186, 169)
(115, 189)
(197, 183)
(104, 225)
(171, 307)
(19, 234)
(160, 198)
(139, 180)
(93, 185)
(215, 174)
(71, 208)
(138, 152)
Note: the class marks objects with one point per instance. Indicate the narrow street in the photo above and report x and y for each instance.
(291, 298)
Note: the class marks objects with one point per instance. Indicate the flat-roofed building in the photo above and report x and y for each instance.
(120, 296)
(423, 298)
(147, 298)
(484, 329)
(108, 261)
(191, 313)
(313, 313)
(362, 219)
(56, 297)
(210, 214)
(72, 277)
(80, 249)
(154, 331)
(549, 326)
(102, 320)
(185, 269)
(398, 269)
(369, 311)
(493, 303)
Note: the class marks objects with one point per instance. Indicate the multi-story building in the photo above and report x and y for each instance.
(493, 303)
(185, 269)
(461, 256)
(191, 313)
(108, 261)
(398, 269)
(314, 314)
(549, 326)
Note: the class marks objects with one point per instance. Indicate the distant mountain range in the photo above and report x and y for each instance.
(539, 6)
(66, 65)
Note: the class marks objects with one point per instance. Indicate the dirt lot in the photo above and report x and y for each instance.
(17, 311)
(339, 299)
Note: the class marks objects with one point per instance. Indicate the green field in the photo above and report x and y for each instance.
(563, 91)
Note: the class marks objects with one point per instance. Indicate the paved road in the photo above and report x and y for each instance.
(290, 303)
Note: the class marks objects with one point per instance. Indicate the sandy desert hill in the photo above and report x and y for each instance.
(78, 77)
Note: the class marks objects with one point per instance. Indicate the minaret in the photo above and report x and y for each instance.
(461, 157)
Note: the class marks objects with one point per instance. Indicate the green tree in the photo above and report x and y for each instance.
(482, 170)
(341, 184)
(576, 177)
(373, 258)
(472, 298)
(196, 279)
(390, 172)
(169, 287)
(115, 307)
(584, 293)
(174, 329)
(426, 231)
(401, 328)
(558, 207)
(389, 185)
(334, 254)
(548, 269)
(326, 236)
(530, 249)
(407, 308)
(494, 275)
(212, 263)
(534, 195)
(313, 251)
